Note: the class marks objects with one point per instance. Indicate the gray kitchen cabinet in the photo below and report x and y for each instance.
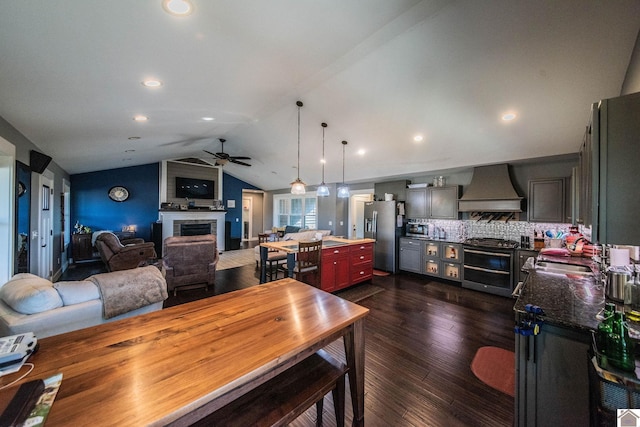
(443, 202)
(416, 205)
(433, 202)
(410, 258)
(552, 386)
(547, 200)
(443, 259)
(608, 163)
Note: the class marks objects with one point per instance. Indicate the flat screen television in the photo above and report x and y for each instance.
(194, 188)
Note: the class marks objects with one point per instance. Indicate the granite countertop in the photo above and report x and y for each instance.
(433, 239)
(568, 300)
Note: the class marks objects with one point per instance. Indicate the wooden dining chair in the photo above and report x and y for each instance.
(275, 258)
(308, 262)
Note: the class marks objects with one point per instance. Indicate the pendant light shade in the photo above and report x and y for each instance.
(297, 186)
(343, 189)
(323, 189)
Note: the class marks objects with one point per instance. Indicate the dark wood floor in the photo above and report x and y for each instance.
(421, 336)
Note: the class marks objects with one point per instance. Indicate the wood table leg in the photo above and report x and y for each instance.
(354, 352)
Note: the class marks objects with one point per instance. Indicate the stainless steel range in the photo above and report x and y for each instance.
(488, 265)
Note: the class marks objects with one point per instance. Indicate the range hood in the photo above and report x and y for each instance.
(490, 190)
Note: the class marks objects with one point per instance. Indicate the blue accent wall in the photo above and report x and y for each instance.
(91, 205)
(232, 190)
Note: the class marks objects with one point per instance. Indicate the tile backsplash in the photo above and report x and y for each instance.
(463, 229)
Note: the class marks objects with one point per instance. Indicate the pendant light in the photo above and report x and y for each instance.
(343, 190)
(297, 186)
(323, 189)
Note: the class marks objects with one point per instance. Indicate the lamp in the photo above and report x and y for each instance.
(323, 189)
(343, 190)
(297, 186)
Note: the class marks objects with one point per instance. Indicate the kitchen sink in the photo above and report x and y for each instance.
(561, 268)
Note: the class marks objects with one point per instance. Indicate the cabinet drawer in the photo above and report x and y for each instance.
(361, 272)
(451, 271)
(361, 257)
(432, 249)
(451, 251)
(363, 248)
(333, 253)
(432, 267)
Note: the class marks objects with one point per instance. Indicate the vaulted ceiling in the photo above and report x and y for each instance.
(379, 72)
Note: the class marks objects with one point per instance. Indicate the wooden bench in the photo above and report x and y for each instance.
(282, 399)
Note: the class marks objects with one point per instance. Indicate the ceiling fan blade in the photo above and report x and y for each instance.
(209, 152)
(240, 157)
(233, 160)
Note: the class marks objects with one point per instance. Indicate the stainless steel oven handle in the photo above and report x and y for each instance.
(487, 253)
(486, 270)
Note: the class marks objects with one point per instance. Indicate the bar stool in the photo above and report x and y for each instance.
(275, 258)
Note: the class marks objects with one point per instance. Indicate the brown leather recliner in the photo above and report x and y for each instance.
(190, 260)
(123, 255)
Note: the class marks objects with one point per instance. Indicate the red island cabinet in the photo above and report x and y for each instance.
(361, 256)
(334, 268)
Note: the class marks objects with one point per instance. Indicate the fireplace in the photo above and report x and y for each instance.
(172, 222)
(196, 229)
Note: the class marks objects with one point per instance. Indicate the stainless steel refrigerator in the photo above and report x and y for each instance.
(380, 224)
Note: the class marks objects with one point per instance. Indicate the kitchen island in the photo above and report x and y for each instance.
(343, 262)
(552, 383)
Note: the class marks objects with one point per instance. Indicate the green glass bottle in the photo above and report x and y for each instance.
(622, 346)
(605, 328)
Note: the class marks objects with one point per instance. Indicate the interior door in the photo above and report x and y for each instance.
(45, 228)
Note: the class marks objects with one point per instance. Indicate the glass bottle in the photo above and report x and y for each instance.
(605, 328)
(622, 346)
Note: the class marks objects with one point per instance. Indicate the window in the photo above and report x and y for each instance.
(289, 209)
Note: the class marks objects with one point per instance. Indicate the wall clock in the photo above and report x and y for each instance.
(118, 193)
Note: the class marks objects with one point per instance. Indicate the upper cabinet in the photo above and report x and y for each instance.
(547, 199)
(433, 202)
(416, 205)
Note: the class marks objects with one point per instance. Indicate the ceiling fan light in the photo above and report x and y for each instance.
(297, 187)
(323, 190)
(343, 191)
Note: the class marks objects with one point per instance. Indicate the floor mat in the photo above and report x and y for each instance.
(359, 292)
(380, 273)
(496, 367)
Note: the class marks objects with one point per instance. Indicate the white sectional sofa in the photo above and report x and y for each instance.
(29, 303)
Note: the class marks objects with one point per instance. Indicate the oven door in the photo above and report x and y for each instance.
(488, 270)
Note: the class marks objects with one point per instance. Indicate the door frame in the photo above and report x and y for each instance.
(356, 215)
(247, 217)
(7, 209)
(45, 237)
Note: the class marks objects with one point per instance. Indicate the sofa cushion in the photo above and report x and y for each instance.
(77, 292)
(30, 294)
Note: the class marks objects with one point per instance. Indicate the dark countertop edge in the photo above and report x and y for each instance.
(429, 239)
(551, 292)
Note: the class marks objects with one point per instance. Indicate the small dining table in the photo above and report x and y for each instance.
(175, 366)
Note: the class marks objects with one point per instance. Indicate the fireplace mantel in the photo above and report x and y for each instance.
(169, 217)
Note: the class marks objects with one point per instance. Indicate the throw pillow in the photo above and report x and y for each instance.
(30, 294)
(77, 291)
(291, 229)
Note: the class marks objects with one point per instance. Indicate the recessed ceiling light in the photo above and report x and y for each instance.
(152, 83)
(133, 138)
(418, 138)
(208, 119)
(140, 118)
(177, 7)
(507, 117)
(361, 151)
(129, 151)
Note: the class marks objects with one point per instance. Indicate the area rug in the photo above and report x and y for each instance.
(359, 292)
(238, 258)
(496, 367)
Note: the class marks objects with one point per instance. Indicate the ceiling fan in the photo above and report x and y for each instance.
(223, 158)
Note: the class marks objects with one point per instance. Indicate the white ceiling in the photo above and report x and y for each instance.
(377, 71)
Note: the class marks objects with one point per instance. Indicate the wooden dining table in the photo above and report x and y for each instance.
(177, 365)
